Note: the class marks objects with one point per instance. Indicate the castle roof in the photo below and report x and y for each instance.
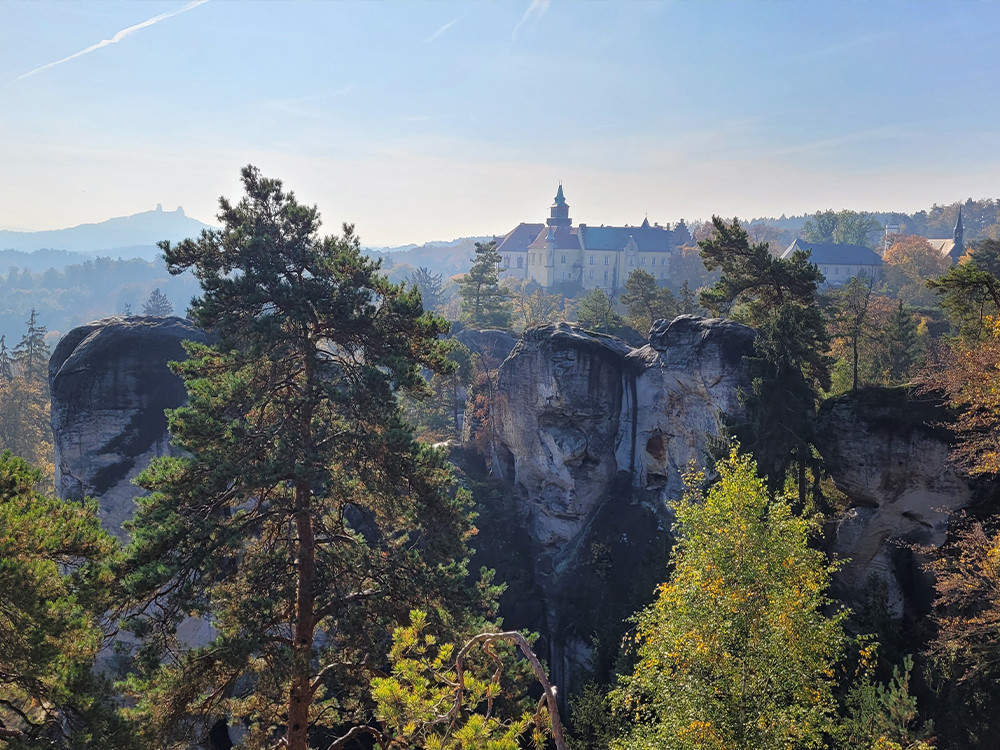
(518, 238)
(831, 254)
(566, 238)
(648, 239)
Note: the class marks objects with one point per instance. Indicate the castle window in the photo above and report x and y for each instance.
(642, 261)
(591, 273)
(506, 261)
(607, 259)
(563, 258)
(661, 274)
(836, 271)
(631, 261)
(605, 275)
(663, 260)
(591, 260)
(520, 262)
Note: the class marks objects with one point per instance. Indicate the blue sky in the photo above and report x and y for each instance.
(432, 120)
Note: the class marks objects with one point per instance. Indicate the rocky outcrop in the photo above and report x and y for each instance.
(575, 409)
(110, 386)
(887, 453)
(491, 344)
(595, 436)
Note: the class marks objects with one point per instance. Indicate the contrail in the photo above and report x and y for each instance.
(537, 8)
(439, 32)
(115, 39)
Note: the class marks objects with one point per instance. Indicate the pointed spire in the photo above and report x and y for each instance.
(645, 223)
(559, 213)
(958, 249)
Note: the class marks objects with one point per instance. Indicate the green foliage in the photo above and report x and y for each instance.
(647, 302)
(970, 291)
(484, 302)
(436, 414)
(429, 286)
(736, 652)
(435, 699)
(25, 428)
(777, 297)
(597, 312)
(303, 518)
(79, 293)
(54, 584)
(532, 304)
(841, 227)
(157, 304)
(31, 355)
(884, 716)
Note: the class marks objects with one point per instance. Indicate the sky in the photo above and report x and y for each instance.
(421, 121)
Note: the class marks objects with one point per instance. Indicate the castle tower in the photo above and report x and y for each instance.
(559, 213)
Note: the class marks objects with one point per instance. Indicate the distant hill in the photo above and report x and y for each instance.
(446, 258)
(126, 236)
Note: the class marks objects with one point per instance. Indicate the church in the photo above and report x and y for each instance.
(562, 257)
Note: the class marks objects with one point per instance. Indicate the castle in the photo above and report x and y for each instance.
(558, 255)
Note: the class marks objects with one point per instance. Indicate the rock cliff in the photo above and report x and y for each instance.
(110, 385)
(594, 436)
(886, 451)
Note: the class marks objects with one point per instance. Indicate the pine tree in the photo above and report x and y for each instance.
(597, 312)
(6, 371)
(54, 584)
(647, 302)
(429, 286)
(157, 305)
(31, 355)
(303, 518)
(777, 297)
(484, 301)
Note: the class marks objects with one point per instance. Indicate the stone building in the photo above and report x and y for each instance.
(558, 255)
(839, 262)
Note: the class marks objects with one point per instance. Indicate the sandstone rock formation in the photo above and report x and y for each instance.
(583, 422)
(110, 385)
(886, 452)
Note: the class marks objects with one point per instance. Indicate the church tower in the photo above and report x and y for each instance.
(559, 213)
(958, 250)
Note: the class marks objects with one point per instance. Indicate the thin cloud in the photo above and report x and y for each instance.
(439, 32)
(535, 10)
(115, 39)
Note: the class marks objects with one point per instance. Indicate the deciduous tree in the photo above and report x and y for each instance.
(736, 651)
(909, 263)
(841, 227)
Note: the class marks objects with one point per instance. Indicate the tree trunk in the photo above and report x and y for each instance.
(855, 347)
(300, 691)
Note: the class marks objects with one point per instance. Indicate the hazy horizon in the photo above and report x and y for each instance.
(429, 121)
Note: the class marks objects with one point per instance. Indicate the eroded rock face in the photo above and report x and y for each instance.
(687, 376)
(110, 386)
(885, 453)
(584, 421)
